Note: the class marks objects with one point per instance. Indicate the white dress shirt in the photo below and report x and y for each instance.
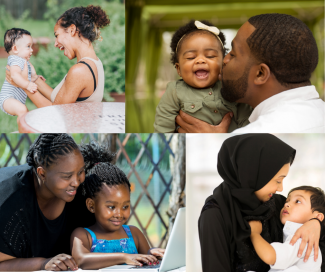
(292, 111)
(286, 254)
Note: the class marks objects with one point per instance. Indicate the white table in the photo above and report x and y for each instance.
(101, 117)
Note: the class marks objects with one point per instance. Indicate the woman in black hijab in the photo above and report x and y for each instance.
(252, 167)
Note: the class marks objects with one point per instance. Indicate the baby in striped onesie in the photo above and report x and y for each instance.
(18, 43)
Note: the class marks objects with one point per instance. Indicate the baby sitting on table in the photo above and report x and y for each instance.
(303, 204)
(18, 43)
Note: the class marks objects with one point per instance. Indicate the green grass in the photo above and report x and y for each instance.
(38, 28)
(9, 123)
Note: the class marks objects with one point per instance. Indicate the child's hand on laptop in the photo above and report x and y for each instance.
(158, 252)
(140, 259)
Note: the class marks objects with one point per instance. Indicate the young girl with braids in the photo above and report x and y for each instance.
(109, 241)
(40, 206)
(198, 49)
(75, 31)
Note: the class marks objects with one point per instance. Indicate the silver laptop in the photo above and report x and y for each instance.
(174, 256)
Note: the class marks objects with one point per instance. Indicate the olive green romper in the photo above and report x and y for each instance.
(205, 104)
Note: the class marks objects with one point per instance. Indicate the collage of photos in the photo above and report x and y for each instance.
(162, 135)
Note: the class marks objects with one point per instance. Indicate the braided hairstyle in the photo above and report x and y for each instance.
(47, 148)
(286, 45)
(100, 170)
(87, 20)
(189, 30)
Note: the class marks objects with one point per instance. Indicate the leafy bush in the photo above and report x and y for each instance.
(6, 22)
(52, 64)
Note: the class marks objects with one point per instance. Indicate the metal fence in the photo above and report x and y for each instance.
(145, 159)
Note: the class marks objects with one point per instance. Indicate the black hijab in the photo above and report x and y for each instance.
(247, 163)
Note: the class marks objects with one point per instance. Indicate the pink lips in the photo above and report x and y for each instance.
(72, 193)
(116, 223)
(285, 212)
(202, 74)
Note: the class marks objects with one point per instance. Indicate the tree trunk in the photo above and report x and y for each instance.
(110, 141)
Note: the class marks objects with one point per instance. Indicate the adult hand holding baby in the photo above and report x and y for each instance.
(309, 233)
(189, 124)
(24, 73)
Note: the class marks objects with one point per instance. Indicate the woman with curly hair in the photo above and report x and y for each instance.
(75, 31)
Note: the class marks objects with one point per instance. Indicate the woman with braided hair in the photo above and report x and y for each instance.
(108, 242)
(75, 31)
(40, 206)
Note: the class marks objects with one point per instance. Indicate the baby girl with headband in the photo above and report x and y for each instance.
(198, 49)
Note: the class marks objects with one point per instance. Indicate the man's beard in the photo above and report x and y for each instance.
(233, 90)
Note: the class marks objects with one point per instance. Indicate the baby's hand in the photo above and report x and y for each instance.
(32, 87)
(158, 252)
(256, 226)
(139, 259)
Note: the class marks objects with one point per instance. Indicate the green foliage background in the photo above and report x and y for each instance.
(52, 64)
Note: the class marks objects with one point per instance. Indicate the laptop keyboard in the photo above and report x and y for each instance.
(146, 266)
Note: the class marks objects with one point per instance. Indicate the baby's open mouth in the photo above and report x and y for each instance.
(61, 48)
(201, 74)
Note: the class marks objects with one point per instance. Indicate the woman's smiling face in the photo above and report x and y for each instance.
(274, 185)
(63, 40)
(63, 177)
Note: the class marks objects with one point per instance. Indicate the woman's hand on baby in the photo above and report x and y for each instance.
(256, 226)
(9, 79)
(158, 252)
(32, 87)
(139, 259)
(60, 262)
(309, 233)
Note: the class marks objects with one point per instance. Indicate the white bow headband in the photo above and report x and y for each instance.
(202, 26)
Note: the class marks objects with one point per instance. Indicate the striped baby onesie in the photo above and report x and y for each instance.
(8, 90)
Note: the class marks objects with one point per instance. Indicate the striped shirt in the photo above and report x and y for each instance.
(10, 91)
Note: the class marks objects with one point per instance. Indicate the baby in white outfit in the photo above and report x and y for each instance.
(303, 204)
